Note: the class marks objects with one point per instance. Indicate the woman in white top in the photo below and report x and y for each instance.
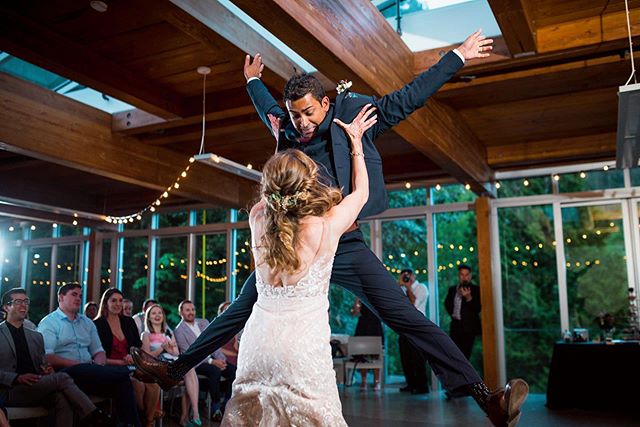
(158, 341)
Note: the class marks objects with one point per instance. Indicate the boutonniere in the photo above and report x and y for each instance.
(343, 85)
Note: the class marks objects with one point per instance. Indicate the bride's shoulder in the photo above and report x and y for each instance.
(257, 211)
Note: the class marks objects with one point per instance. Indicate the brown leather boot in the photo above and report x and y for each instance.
(503, 406)
(154, 368)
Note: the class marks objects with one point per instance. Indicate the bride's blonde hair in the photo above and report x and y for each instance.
(292, 191)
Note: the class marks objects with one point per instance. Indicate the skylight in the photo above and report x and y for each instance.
(429, 24)
(297, 59)
(18, 68)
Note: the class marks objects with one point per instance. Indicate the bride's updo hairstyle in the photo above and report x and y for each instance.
(292, 191)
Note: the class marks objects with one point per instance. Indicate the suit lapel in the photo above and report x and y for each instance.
(7, 335)
(34, 348)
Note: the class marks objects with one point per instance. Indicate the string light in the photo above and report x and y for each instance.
(525, 182)
(583, 175)
(556, 177)
(438, 187)
(605, 168)
(137, 216)
(498, 185)
(467, 187)
(407, 185)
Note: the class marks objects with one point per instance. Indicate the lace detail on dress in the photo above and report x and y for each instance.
(312, 284)
(285, 372)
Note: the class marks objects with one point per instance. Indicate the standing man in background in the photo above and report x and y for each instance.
(463, 305)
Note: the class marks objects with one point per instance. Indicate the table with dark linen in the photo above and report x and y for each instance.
(594, 376)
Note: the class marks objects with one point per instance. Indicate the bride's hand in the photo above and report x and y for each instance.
(354, 130)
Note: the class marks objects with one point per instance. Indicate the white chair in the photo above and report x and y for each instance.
(368, 348)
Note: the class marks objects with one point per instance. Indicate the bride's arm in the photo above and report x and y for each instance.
(343, 215)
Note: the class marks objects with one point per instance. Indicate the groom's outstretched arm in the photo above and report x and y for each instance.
(398, 105)
(224, 327)
(265, 104)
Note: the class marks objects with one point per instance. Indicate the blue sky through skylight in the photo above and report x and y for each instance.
(429, 24)
(18, 68)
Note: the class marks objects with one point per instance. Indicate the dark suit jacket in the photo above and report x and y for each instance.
(8, 360)
(391, 109)
(129, 329)
(469, 311)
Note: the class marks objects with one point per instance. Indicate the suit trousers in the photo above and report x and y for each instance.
(213, 374)
(108, 381)
(413, 365)
(464, 340)
(358, 270)
(56, 391)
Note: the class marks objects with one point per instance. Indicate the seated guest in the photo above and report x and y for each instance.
(90, 310)
(213, 367)
(72, 345)
(139, 317)
(230, 349)
(117, 334)
(127, 308)
(158, 341)
(25, 378)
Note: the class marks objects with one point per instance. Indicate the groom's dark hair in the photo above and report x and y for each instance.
(301, 84)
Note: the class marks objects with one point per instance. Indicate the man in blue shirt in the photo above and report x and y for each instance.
(72, 345)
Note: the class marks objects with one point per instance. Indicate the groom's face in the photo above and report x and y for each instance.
(307, 113)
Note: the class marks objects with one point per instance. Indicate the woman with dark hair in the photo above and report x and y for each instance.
(117, 334)
(90, 310)
(285, 372)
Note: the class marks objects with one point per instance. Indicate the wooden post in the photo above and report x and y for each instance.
(489, 342)
(94, 263)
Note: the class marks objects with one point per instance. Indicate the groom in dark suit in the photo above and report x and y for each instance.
(308, 125)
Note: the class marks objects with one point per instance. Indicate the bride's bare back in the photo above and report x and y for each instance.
(315, 240)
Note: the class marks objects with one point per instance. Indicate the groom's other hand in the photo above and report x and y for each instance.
(253, 68)
(476, 46)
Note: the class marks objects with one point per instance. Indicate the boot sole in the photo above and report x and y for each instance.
(516, 394)
(163, 384)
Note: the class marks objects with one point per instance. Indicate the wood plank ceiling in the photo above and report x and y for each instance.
(547, 95)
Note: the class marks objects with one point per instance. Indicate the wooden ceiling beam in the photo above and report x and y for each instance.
(351, 40)
(48, 126)
(571, 77)
(225, 104)
(16, 187)
(32, 42)
(593, 30)
(588, 147)
(516, 24)
(425, 59)
(48, 214)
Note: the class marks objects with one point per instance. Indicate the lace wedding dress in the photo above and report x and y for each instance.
(285, 372)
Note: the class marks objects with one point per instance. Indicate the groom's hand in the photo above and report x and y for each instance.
(476, 46)
(253, 68)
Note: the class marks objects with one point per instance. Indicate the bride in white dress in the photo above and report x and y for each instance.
(285, 373)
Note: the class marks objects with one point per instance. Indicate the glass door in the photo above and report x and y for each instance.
(598, 266)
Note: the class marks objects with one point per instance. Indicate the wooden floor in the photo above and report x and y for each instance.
(391, 408)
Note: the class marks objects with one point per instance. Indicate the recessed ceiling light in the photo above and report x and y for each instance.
(98, 6)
